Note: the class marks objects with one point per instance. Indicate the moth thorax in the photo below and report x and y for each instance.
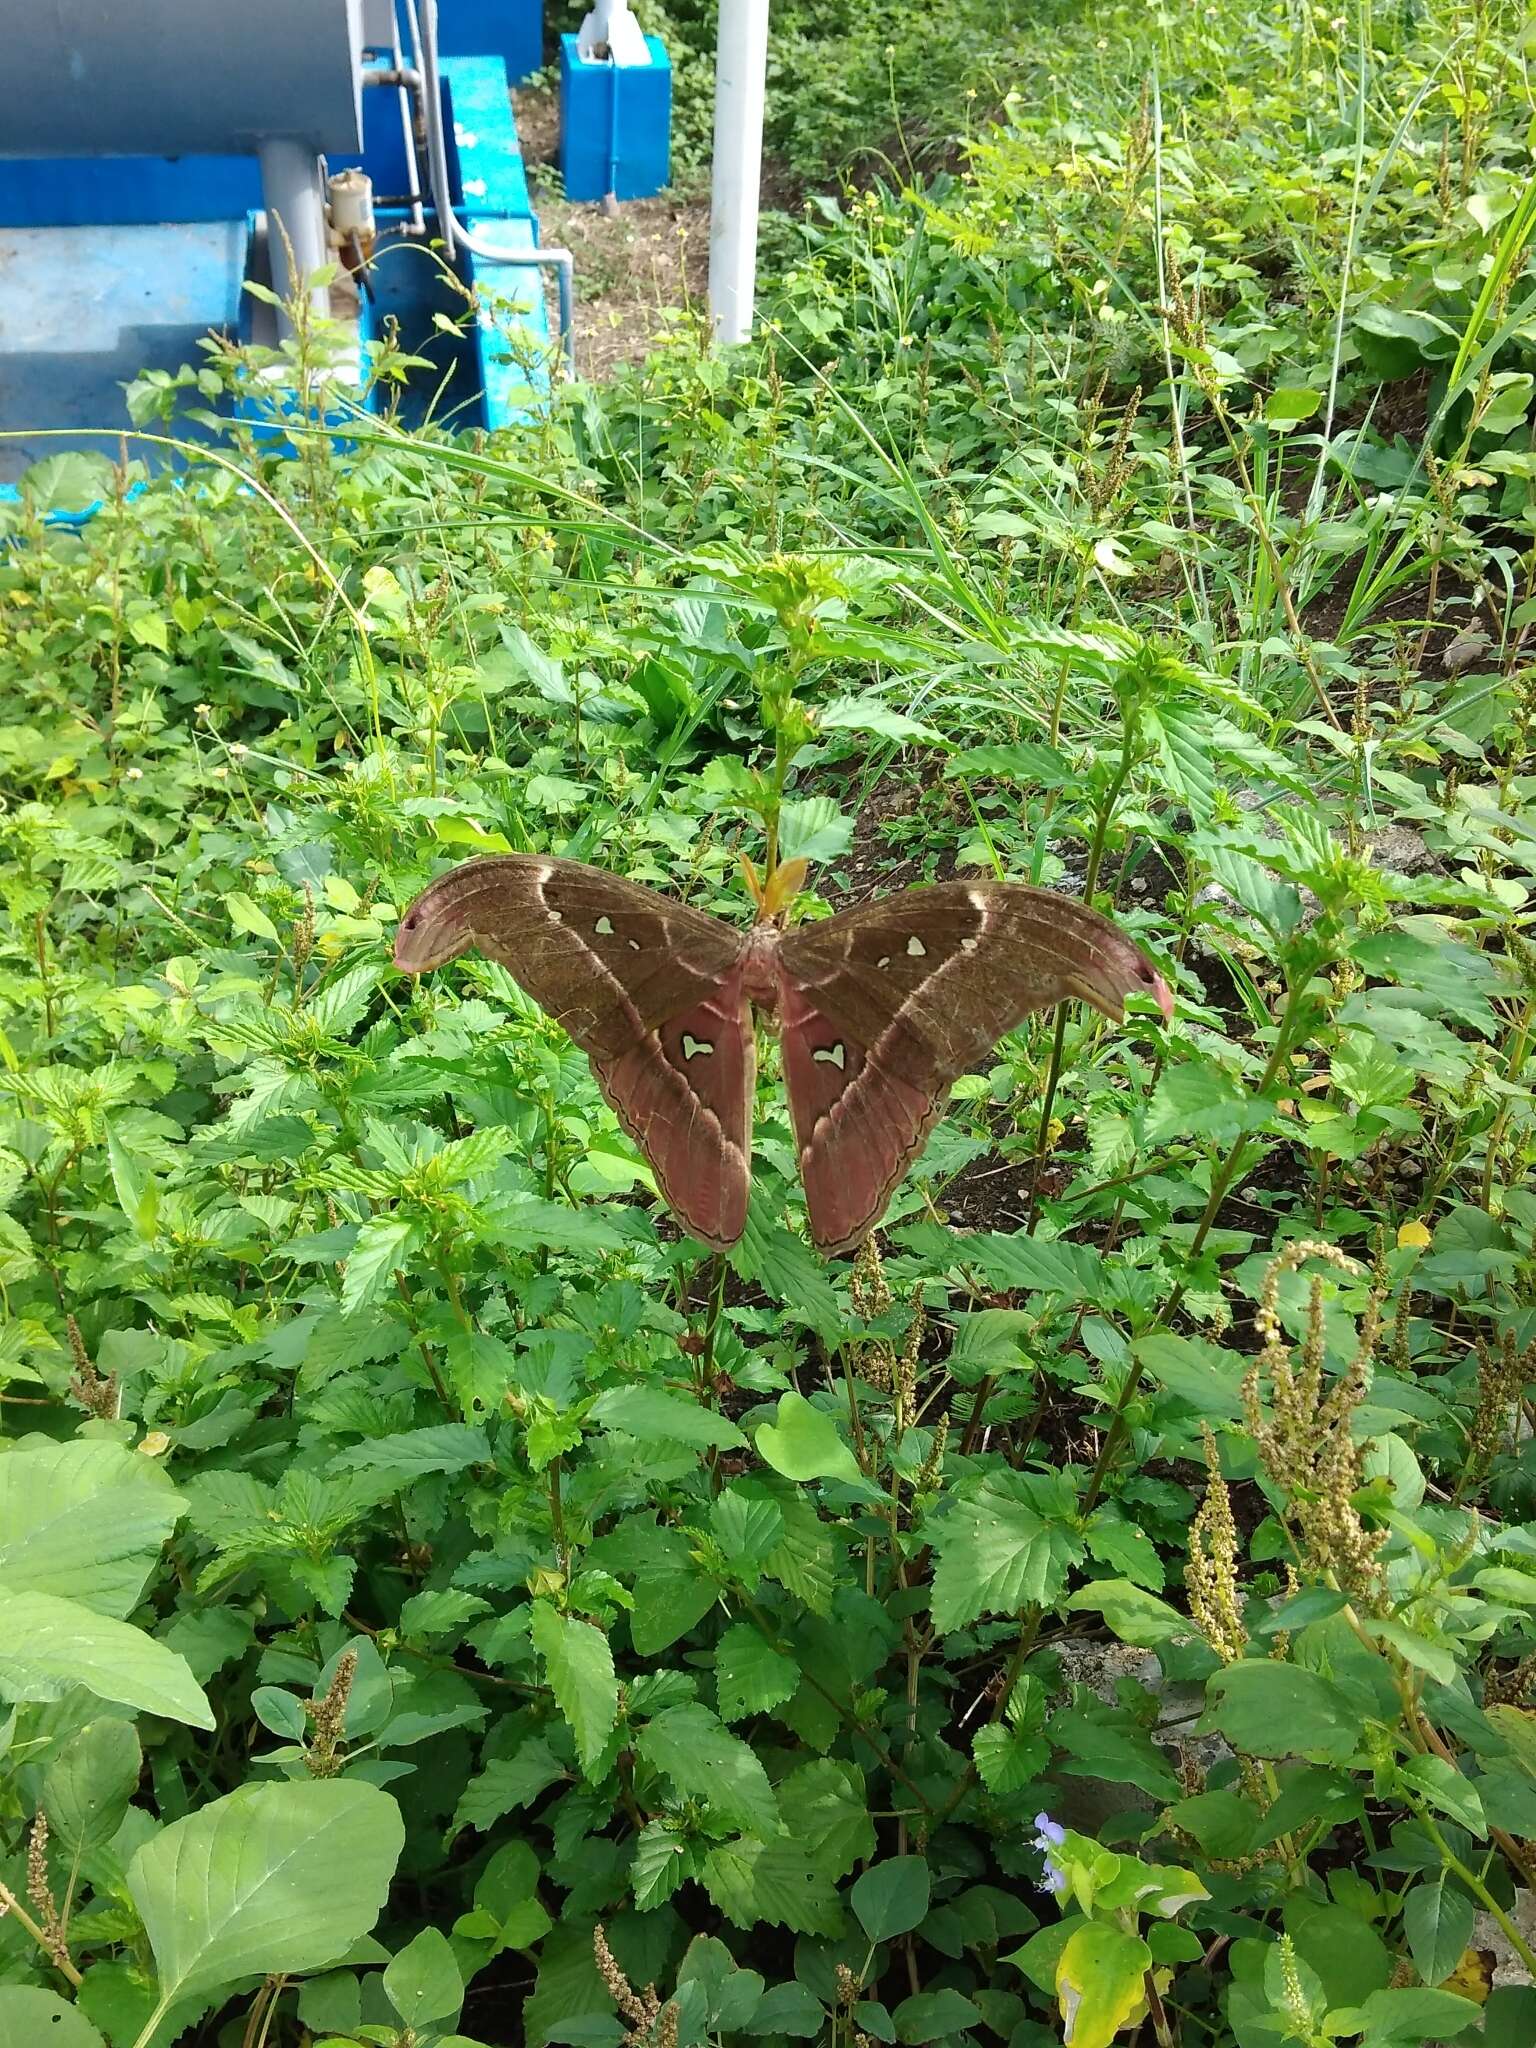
(760, 968)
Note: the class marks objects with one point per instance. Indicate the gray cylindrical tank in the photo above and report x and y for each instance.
(177, 77)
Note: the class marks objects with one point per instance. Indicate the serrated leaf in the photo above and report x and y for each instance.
(662, 1860)
(652, 1415)
(873, 715)
(750, 1674)
(383, 1245)
(787, 1270)
(830, 1807)
(773, 1881)
(506, 1784)
(1001, 1547)
(814, 828)
(579, 1666)
(411, 1453)
(704, 1761)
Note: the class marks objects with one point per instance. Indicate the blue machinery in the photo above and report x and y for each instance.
(156, 157)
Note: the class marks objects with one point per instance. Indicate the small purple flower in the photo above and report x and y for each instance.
(1049, 1835)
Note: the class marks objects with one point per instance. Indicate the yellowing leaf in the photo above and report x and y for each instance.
(1412, 1237)
(1099, 1985)
(1473, 1976)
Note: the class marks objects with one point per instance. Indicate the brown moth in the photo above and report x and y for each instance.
(879, 1010)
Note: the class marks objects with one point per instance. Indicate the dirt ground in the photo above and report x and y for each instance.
(635, 272)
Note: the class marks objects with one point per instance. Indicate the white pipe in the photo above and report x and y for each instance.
(290, 190)
(741, 70)
(451, 229)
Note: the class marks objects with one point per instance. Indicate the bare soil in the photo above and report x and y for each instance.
(637, 272)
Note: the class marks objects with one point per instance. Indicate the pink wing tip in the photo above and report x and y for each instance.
(1163, 995)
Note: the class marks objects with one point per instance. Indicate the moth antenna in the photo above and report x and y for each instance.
(754, 886)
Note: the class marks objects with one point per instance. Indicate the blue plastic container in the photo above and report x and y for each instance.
(615, 125)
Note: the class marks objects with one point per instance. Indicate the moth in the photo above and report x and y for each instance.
(879, 1010)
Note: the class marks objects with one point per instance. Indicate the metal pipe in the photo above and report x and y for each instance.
(407, 77)
(741, 70)
(450, 227)
(290, 190)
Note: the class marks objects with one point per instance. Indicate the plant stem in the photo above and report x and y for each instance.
(1479, 1891)
(18, 1912)
(1229, 1172)
(1058, 1043)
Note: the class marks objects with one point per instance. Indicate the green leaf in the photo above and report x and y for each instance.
(1135, 1615)
(88, 1785)
(272, 1878)
(705, 1761)
(383, 1244)
(32, 2018)
(1001, 1548)
(579, 1666)
(934, 2016)
(804, 1444)
(1437, 1779)
(1415, 2014)
(752, 1880)
(788, 2009)
(1269, 1709)
(891, 1898)
(411, 1453)
(1437, 1919)
(652, 1415)
(1199, 1099)
(1290, 404)
(750, 1674)
(1181, 734)
(86, 1519)
(872, 715)
(423, 1982)
(787, 1270)
(1099, 1983)
(137, 1193)
(989, 1341)
(831, 1814)
(48, 1645)
(1201, 1374)
(671, 1593)
(814, 828)
(507, 1783)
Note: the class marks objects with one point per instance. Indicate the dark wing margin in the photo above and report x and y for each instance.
(895, 1000)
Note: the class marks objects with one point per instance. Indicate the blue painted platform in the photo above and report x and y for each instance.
(111, 267)
(85, 309)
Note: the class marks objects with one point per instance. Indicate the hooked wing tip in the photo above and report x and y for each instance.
(424, 941)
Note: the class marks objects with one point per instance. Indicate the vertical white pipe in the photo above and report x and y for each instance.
(741, 69)
(290, 191)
